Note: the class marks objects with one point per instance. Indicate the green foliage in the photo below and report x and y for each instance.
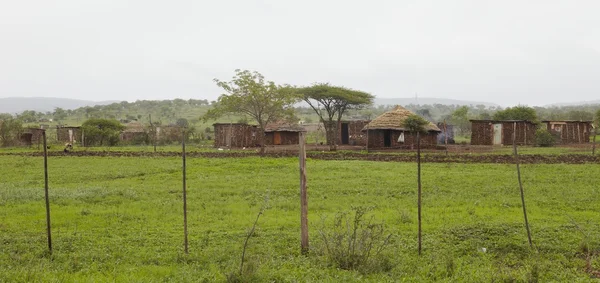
(415, 123)
(517, 113)
(355, 243)
(250, 95)
(182, 123)
(59, 114)
(460, 119)
(102, 131)
(335, 100)
(544, 138)
(10, 128)
(580, 115)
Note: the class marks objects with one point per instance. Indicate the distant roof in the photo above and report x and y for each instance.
(284, 127)
(393, 119)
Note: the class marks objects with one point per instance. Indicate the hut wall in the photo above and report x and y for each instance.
(31, 136)
(355, 134)
(525, 133)
(242, 135)
(570, 132)
(377, 139)
(287, 138)
(482, 133)
(62, 134)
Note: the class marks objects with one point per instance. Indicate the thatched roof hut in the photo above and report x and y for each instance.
(393, 120)
(387, 130)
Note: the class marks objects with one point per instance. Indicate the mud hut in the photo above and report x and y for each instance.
(282, 133)
(570, 132)
(495, 132)
(236, 135)
(351, 133)
(135, 132)
(386, 131)
(31, 136)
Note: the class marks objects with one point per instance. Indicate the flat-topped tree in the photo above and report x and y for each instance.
(249, 94)
(335, 100)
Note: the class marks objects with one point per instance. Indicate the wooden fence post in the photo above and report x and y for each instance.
(48, 226)
(594, 142)
(303, 197)
(520, 183)
(446, 136)
(185, 231)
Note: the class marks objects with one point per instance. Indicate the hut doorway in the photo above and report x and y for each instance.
(276, 138)
(497, 134)
(345, 134)
(387, 138)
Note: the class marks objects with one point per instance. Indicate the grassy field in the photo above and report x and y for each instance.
(120, 219)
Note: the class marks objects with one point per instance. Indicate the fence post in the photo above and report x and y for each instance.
(520, 183)
(446, 136)
(303, 196)
(48, 226)
(419, 185)
(185, 231)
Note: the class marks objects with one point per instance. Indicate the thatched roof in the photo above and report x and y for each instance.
(393, 119)
(284, 127)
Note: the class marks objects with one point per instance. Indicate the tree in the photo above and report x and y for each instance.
(580, 115)
(460, 119)
(102, 131)
(516, 113)
(59, 114)
(416, 124)
(10, 128)
(182, 123)
(248, 93)
(335, 100)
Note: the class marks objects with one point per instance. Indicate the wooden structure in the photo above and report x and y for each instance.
(282, 133)
(31, 136)
(387, 131)
(69, 134)
(570, 132)
(236, 135)
(351, 133)
(500, 132)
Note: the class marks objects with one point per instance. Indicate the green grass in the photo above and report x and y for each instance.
(120, 219)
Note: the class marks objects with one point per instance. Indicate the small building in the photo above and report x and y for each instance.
(351, 133)
(570, 132)
(69, 134)
(31, 136)
(282, 133)
(496, 132)
(134, 132)
(387, 131)
(236, 135)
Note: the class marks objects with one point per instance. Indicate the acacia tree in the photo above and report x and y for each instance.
(335, 100)
(516, 113)
(249, 94)
(416, 124)
(10, 128)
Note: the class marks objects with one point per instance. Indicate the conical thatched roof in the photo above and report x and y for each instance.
(393, 119)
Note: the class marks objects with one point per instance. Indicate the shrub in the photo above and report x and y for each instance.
(355, 243)
(544, 138)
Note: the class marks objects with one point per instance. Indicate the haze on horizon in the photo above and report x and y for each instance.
(504, 52)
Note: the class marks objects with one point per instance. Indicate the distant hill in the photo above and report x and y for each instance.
(591, 102)
(15, 105)
(429, 100)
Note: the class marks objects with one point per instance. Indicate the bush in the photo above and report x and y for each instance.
(544, 138)
(353, 243)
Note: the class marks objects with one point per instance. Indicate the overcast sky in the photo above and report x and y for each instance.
(506, 52)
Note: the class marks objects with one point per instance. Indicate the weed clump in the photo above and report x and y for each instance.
(355, 242)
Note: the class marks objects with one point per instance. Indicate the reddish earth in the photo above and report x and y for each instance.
(344, 155)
